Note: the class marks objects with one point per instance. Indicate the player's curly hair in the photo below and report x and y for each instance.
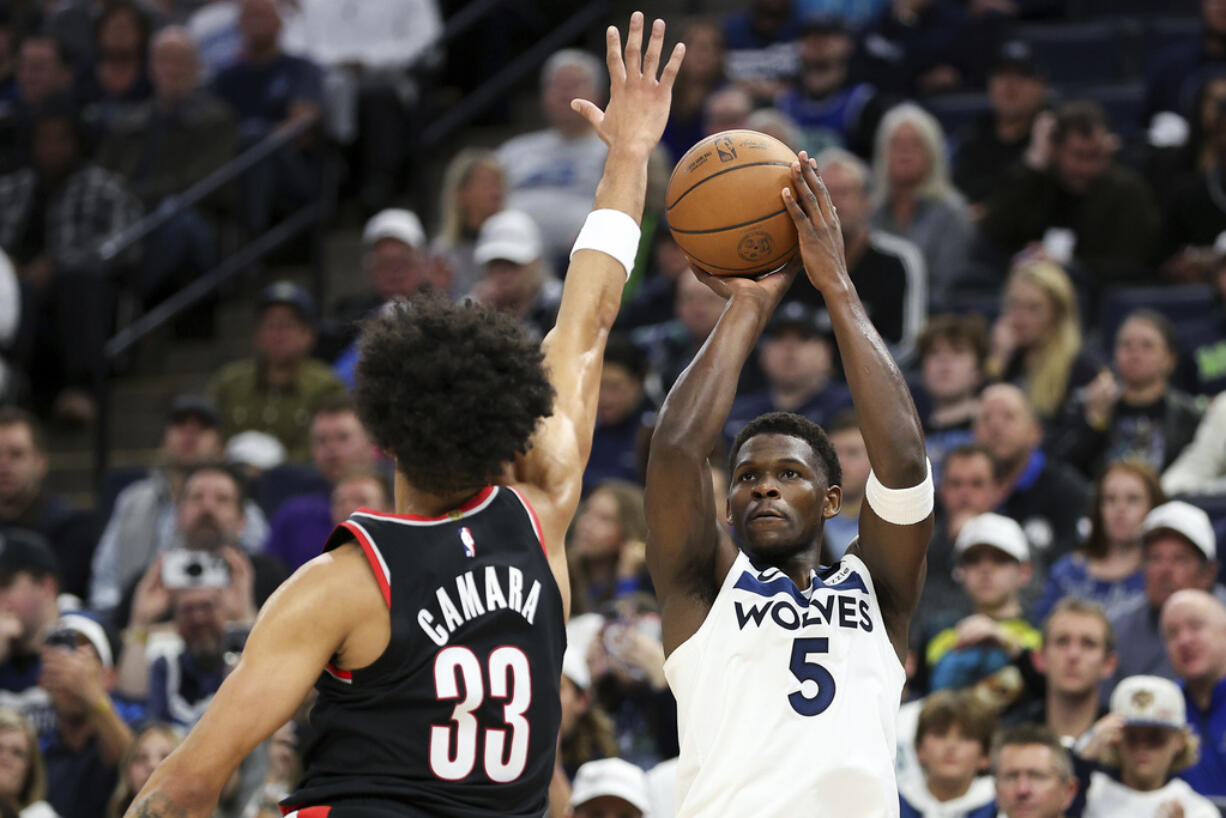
(453, 391)
(793, 425)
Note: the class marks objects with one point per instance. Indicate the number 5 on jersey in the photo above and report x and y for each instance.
(807, 671)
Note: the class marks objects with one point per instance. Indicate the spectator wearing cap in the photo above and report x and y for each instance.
(622, 414)
(142, 523)
(952, 350)
(474, 188)
(277, 390)
(1180, 553)
(29, 608)
(609, 788)
(1147, 737)
(1194, 627)
(515, 278)
(26, 504)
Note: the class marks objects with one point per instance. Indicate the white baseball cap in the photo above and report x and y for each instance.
(1149, 700)
(510, 235)
(575, 668)
(395, 223)
(1187, 521)
(995, 530)
(257, 449)
(611, 777)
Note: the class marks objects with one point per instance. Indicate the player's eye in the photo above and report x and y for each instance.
(789, 474)
(745, 476)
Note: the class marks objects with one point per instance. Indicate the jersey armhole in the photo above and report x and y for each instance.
(377, 565)
(536, 522)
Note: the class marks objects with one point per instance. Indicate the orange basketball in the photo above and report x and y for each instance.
(724, 207)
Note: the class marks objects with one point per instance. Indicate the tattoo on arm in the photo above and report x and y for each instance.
(157, 805)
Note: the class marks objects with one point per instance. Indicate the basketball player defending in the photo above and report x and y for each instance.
(434, 636)
(787, 672)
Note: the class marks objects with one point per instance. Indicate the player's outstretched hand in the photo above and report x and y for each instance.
(769, 288)
(638, 99)
(817, 227)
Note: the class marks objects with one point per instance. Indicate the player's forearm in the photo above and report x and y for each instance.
(174, 791)
(158, 804)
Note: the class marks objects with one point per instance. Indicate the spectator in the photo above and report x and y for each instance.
(28, 612)
(727, 109)
(42, 72)
(1036, 342)
(760, 42)
(1205, 339)
(1016, 91)
(609, 788)
(917, 46)
(277, 390)
(1148, 739)
(700, 76)
(993, 566)
(671, 345)
(357, 490)
(23, 780)
(587, 731)
(474, 188)
(26, 504)
(1180, 554)
(1183, 67)
(149, 749)
(953, 742)
(622, 415)
(655, 300)
(339, 446)
(552, 174)
(1194, 627)
(1047, 497)
(1202, 466)
(607, 547)
(888, 271)
(953, 349)
(214, 27)
(1034, 774)
(515, 275)
(117, 79)
(848, 442)
(142, 523)
(1181, 144)
(54, 215)
(776, 124)
(1069, 195)
(914, 198)
(284, 772)
(1194, 219)
(1107, 568)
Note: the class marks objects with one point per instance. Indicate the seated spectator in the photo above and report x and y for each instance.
(284, 773)
(1148, 739)
(1179, 70)
(277, 390)
(701, 74)
(993, 561)
(1107, 568)
(854, 14)
(776, 124)
(1194, 627)
(587, 731)
(953, 742)
(117, 80)
(1201, 469)
(142, 523)
(552, 174)
(339, 446)
(1205, 339)
(54, 215)
(985, 152)
(42, 72)
(917, 46)
(474, 188)
(26, 504)
(655, 300)
(727, 109)
(760, 40)
(1180, 553)
(214, 27)
(671, 345)
(23, 784)
(607, 546)
(1034, 773)
(149, 749)
(28, 612)
(1138, 416)
(888, 271)
(622, 415)
(1180, 151)
(1036, 342)
(952, 349)
(1068, 194)
(1194, 219)
(515, 276)
(914, 198)
(848, 442)
(609, 787)
(1047, 497)
(361, 489)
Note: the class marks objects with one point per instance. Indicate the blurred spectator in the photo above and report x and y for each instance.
(914, 198)
(587, 731)
(28, 611)
(622, 414)
(1107, 568)
(727, 109)
(1178, 71)
(607, 546)
(701, 74)
(116, 81)
(918, 46)
(888, 271)
(54, 215)
(339, 447)
(474, 188)
(760, 46)
(143, 519)
(76, 24)
(1205, 339)
(12, 380)
(23, 778)
(671, 345)
(1181, 145)
(284, 771)
(515, 277)
(1016, 90)
(1202, 466)
(854, 14)
(993, 561)
(1068, 194)
(359, 489)
(1140, 415)
(552, 174)
(1148, 739)
(655, 301)
(278, 389)
(953, 742)
(214, 27)
(1047, 497)
(1194, 217)
(609, 788)
(268, 89)
(848, 442)
(1034, 774)
(1180, 554)
(42, 72)
(149, 749)
(952, 349)
(831, 109)
(1036, 342)
(25, 503)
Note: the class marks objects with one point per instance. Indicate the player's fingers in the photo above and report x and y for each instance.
(634, 45)
(674, 65)
(588, 110)
(651, 60)
(794, 209)
(821, 196)
(613, 54)
(805, 196)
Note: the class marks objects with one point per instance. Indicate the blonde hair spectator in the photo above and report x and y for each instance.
(26, 788)
(150, 747)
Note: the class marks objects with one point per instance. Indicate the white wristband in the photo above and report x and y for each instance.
(901, 506)
(613, 233)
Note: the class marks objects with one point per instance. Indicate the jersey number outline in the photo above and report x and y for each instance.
(510, 678)
(807, 671)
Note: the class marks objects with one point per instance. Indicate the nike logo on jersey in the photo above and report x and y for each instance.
(500, 594)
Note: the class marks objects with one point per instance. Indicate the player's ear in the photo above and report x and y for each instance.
(728, 510)
(834, 502)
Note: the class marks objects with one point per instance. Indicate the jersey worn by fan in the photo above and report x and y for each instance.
(460, 714)
(786, 699)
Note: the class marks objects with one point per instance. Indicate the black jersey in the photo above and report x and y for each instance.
(460, 715)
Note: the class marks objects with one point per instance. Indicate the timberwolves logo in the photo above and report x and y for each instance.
(755, 246)
(725, 149)
(1142, 700)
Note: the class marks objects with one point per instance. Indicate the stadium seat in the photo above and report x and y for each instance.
(1083, 53)
(1091, 9)
(275, 486)
(957, 111)
(1124, 104)
(1178, 303)
(1162, 33)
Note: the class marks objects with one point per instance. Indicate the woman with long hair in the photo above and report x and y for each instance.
(474, 188)
(149, 749)
(23, 778)
(607, 555)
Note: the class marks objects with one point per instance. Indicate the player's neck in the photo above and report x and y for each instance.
(800, 567)
(1071, 714)
(411, 500)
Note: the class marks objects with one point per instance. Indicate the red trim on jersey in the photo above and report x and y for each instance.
(305, 812)
(479, 498)
(536, 521)
(372, 556)
(338, 674)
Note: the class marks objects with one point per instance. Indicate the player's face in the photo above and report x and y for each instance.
(1146, 753)
(950, 756)
(1028, 783)
(991, 576)
(951, 372)
(779, 499)
(1075, 652)
(607, 806)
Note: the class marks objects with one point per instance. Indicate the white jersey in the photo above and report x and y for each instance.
(787, 699)
(1108, 798)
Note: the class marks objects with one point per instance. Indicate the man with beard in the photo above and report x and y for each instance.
(182, 683)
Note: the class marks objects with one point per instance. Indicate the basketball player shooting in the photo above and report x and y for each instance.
(434, 636)
(787, 673)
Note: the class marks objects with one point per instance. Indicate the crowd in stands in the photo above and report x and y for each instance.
(1050, 273)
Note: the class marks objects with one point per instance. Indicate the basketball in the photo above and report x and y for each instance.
(723, 203)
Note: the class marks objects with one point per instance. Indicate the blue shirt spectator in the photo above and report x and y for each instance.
(299, 529)
(1070, 576)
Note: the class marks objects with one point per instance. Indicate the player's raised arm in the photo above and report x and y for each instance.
(631, 125)
(896, 520)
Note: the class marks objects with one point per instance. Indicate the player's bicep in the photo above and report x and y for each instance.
(896, 556)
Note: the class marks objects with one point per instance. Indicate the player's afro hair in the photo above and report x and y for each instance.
(787, 423)
(454, 391)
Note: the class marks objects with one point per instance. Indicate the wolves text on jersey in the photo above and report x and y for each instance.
(793, 611)
(440, 624)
